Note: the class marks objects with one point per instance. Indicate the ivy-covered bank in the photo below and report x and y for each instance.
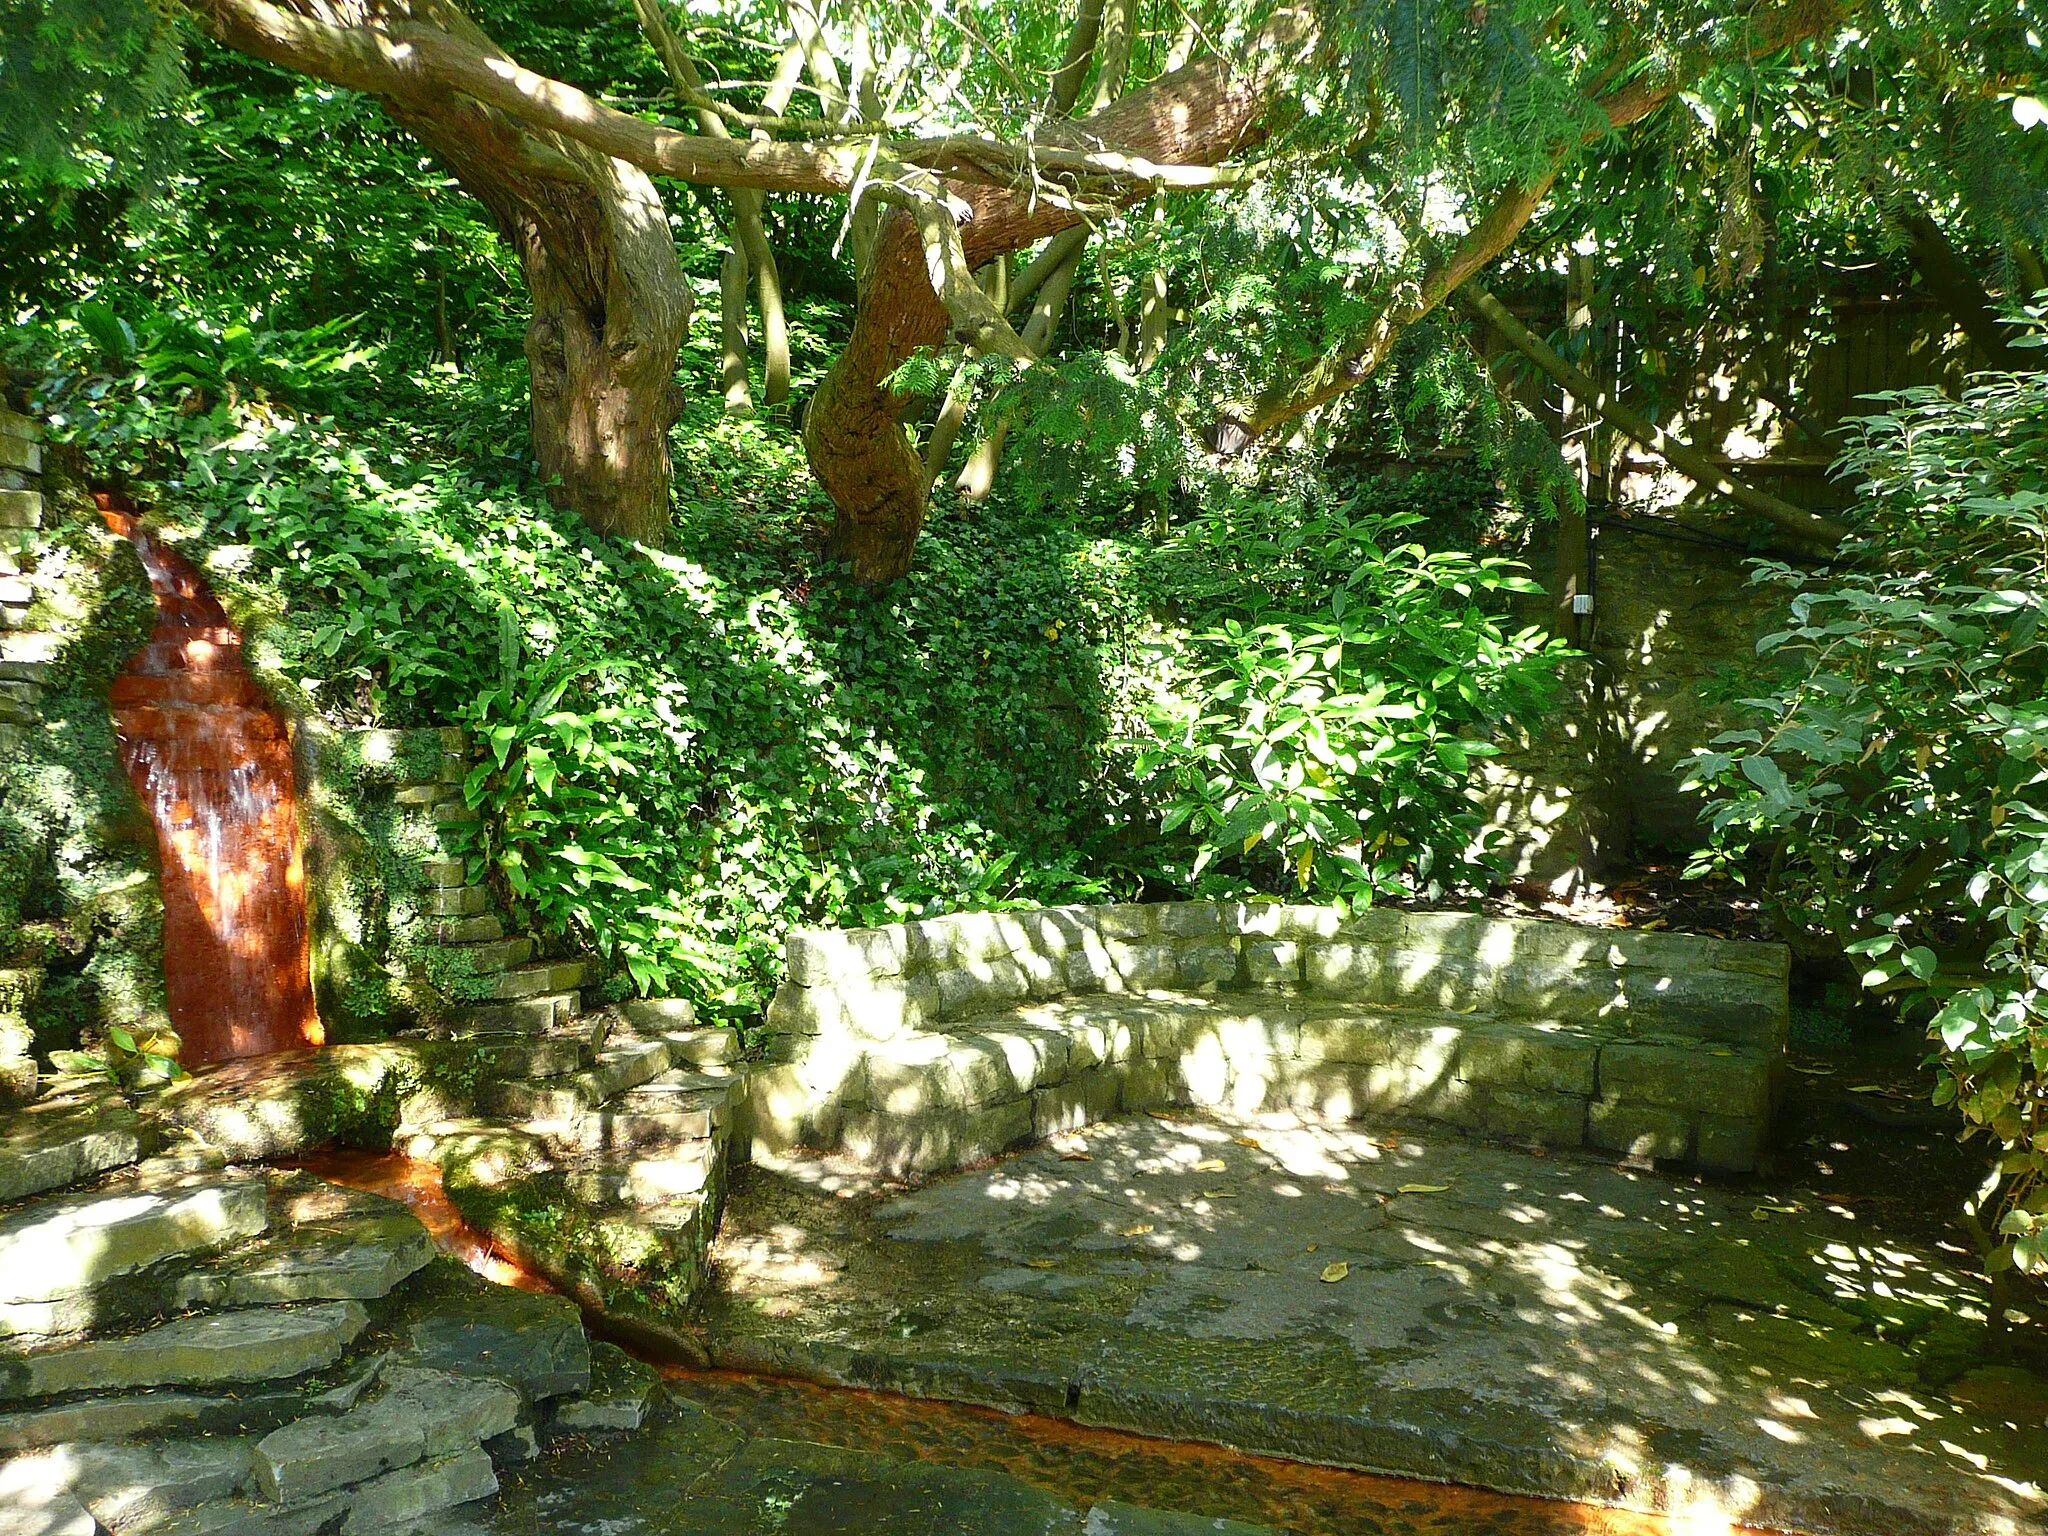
(81, 918)
(684, 752)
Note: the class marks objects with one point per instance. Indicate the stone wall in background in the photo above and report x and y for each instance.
(1600, 775)
(81, 917)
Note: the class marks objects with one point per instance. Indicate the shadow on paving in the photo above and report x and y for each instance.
(1409, 1304)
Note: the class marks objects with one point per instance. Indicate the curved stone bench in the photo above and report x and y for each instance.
(926, 1046)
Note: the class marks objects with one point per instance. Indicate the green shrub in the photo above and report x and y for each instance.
(1894, 786)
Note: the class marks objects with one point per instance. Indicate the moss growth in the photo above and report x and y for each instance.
(78, 886)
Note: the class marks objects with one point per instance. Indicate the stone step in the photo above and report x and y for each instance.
(355, 1257)
(133, 1487)
(541, 976)
(526, 1015)
(262, 1344)
(421, 1414)
(617, 1070)
(554, 1054)
(66, 1139)
(661, 1115)
(66, 1247)
(148, 1414)
(492, 957)
(467, 930)
(653, 1179)
(455, 901)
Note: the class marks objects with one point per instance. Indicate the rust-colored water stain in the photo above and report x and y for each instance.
(209, 757)
(1086, 1464)
(419, 1186)
(1071, 1460)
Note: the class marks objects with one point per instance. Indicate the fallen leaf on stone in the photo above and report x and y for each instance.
(1332, 1273)
(1138, 1231)
(1720, 1053)
(1868, 1088)
(1077, 1157)
(1388, 1143)
(1211, 1165)
(1312, 1247)
(1249, 1141)
(1811, 1071)
(1160, 1114)
(1422, 1189)
(1041, 1263)
(1763, 1212)
(1219, 1194)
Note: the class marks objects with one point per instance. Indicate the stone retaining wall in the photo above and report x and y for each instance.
(926, 1045)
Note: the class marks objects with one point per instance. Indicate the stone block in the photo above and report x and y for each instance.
(1361, 1038)
(490, 956)
(1152, 1083)
(1729, 1144)
(468, 930)
(801, 1010)
(1045, 976)
(454, 1411)
(1097, 1036)
(936, 1140)
(325, 1451)
(1340, 969)
(539, 977)
(14, 424)
(534, 1343)
(263, 1344)
(127, 1487)
(824, 956)
(1207, 962)
(69, 1246)
(455, 901)
(1279, 920)
(434, 793)
(415, 1492)
(661, 1015)
(445, 872)
(621, 1392)
(1089, 966)
(1428, 979)
(978, 936)
(1128, 921)
(970, 987)
(1144, 967)
(1548, 1059)
(1035, 1056)
(1274, 963)
(1639, 1131)
(1686, 1075)
(1083, 1099)
(1191, 919)
(19, 453)
(358, 1260)
(1554, 1119)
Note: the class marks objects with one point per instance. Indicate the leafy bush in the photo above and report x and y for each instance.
(1325, 744)
(1895, 783)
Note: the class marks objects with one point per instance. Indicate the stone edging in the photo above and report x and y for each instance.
(924, 1046)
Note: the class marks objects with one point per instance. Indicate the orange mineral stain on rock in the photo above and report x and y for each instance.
(210, 759)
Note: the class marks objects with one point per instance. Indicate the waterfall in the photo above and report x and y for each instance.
(209, 756)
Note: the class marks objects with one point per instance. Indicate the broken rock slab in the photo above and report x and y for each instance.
(534, 1343)
(66, 1140)
(126, 1486)
(65, 1247)
(621, 1392)
(263, 1344)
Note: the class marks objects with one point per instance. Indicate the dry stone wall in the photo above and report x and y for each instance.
(927, 1045)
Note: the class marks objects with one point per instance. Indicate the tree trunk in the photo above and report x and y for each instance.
(853, 434)
(610, 306)
(610, 309)
(1955, 287)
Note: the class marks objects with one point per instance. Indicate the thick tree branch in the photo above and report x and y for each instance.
(1639, 429)
(1361, 356)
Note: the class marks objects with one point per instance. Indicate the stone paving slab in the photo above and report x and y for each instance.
(1414, 1305)
(261, 1344)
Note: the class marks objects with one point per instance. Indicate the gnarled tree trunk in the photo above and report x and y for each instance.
(610, 305)
(853, 432)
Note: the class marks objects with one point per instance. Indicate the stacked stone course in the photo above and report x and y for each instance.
(925, 1046)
